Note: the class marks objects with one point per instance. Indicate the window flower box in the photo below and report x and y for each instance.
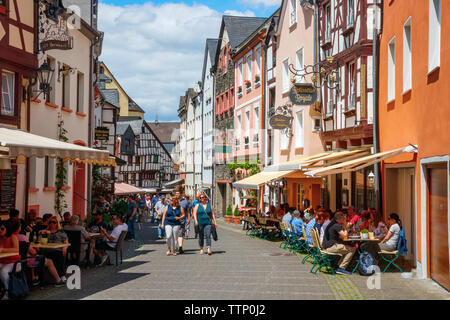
(248, 85)
(257, 80)
(240, 89)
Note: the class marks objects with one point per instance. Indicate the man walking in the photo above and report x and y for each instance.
(131, 217)
(141, 210)
(159, 210)
(185, 221)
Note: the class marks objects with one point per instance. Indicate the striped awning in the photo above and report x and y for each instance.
(16, 143)
(359, 163)
(253, 182)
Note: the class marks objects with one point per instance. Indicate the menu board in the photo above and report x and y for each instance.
(8, 179)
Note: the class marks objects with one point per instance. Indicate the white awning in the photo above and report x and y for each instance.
(359, 163)
(253, 182)
(20, 143)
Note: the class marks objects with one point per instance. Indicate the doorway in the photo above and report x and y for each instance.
(400, 198)
(438, 223)
(79, 189)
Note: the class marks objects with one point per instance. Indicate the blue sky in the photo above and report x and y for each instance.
(255, 6)
(155, 49)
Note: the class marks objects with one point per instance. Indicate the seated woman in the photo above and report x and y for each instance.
(34, 260)
(56, 235)
(390, 241)
(376, 225)
(363, 222)
(8, 244)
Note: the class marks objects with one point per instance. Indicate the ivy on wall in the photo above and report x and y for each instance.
(61, 174)
(253, 167)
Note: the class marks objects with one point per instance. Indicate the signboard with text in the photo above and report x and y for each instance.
(303, 94)
(102, 133)
(280, 122)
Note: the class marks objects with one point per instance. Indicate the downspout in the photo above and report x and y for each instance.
(376, 144)
(90, 114)
(213, 113)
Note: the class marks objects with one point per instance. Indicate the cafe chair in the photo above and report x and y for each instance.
(390, 257)
(74, 250)
(119, 246)
(23, 252)
(322, 258)
(309, 248)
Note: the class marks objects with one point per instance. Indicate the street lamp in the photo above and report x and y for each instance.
(45, 76)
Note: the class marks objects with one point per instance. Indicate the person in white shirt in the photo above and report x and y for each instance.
(110, 240)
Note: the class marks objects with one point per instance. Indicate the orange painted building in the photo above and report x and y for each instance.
(414, 108)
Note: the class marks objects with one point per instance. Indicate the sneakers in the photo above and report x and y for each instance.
(342, 271)
(61, 283)
(104, 260)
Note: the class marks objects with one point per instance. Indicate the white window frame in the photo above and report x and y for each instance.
(285, 80)
(391, 70)
(407, 55)
(434, 35)
(9, 94)
(292, 12)
(299, 65)
(249, 58)
(327, 24)
(239, 127)
(284, 141)
(247, 123)
(256, 119)
(258, 64)
(299, 129)
(350, 13)
(351, 86)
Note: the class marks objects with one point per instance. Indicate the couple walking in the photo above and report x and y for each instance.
(175, 216)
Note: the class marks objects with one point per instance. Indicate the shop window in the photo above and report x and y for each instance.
(434, 35)
(7, 98)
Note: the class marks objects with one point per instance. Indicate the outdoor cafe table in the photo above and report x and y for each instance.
(50, 245)
(360, 241)
(7, 254)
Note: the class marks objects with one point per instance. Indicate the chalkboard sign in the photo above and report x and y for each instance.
(8, 180)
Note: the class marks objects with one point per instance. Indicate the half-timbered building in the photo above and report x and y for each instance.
(17, 67)
(346, 29)
(148, 163)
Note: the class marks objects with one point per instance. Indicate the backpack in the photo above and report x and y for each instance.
(366, 264)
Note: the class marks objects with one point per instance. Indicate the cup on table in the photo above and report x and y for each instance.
(371, 236)
(44, 240)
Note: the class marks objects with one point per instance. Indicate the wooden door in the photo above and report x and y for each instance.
(315, 201)
(79, 189)
(438, 211)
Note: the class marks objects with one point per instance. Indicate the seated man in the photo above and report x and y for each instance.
(110, 240)
(287, 218)
(85, 239)
(333, 242)
(66, 219)
(297, 222)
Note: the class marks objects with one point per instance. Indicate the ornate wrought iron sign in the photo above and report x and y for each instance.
(282, 117)
(53, 28)
(303, 94)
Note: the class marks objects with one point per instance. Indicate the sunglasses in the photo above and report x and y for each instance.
(52, 222)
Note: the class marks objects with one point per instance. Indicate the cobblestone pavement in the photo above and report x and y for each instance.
(240, 268)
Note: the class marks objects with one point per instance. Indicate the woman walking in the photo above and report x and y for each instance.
(204, 217)
(171, 222)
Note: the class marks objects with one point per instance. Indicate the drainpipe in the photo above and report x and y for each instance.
(376, 145)
(90, 114)
(213, 101)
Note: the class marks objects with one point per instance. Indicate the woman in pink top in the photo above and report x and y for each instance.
(34, 260)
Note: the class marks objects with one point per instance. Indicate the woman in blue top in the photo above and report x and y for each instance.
(204, 216)
(171, 223)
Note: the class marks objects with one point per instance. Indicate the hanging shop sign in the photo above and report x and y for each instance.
(303, 94)
(53, 28)
(281, 118)
(102, 133)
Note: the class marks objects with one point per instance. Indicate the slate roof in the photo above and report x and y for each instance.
(136, 125)
(165, 130)
(111, 96)
(239, 28)
(133, 106)
(211, 45)
(121, 127)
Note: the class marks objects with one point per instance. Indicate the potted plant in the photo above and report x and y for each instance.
(364, 234)
(257, 78)
(236, 217)
(229, 215)
(248, 84)
(240, 90)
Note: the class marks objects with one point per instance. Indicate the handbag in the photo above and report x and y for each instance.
(17, 286)
(213, 229)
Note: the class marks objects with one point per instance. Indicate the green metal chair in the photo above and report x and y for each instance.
(321, 257)
(390, 257)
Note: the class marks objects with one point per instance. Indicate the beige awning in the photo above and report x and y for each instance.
(20, 143)
(358, 163)
(304, 163)
(123, 188)
(253, 182)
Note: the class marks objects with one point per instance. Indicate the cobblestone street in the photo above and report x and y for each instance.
(240, 268)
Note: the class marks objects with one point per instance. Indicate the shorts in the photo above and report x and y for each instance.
(103, 246)
(182, 231)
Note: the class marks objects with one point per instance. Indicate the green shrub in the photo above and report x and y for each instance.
(229, 211)
(236, 212)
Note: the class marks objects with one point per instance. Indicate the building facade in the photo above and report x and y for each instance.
(18, 63)
(414, 109)
(208, 115)
(346, 29)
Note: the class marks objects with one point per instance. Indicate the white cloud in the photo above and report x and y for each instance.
(156, 51)
(265, 3)
(247, 13)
